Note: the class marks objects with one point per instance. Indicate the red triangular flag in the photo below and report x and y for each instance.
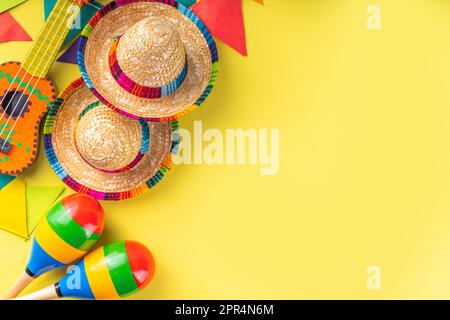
(224, 20)
(11, 30)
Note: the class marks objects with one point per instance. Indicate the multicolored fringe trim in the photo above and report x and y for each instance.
(166, 164)
(185, 11)
(135, 88)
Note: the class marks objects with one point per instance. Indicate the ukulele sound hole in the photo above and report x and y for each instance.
(15, 103)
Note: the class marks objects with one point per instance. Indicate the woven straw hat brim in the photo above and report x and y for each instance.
(116, 18)
(70, 166)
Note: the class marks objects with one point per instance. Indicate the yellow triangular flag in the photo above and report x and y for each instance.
(39, 200)
(13, 214)
(8, 4)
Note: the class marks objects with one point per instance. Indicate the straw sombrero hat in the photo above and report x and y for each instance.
(97, 151)
(148, 59)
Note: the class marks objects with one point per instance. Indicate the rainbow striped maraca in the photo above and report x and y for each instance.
(64, 235)
(115, 270)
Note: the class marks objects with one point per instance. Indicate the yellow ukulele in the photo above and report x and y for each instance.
(26, 93)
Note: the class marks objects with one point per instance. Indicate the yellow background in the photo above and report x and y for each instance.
(364, 119)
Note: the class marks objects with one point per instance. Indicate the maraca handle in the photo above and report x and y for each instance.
(21, 283)
(43, 294)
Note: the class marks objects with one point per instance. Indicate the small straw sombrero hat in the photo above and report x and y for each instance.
(148, 59)
(98, 151)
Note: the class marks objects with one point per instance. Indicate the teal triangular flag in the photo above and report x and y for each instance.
(86, 13)
(5, 179)
(187, 3)
(48, 6)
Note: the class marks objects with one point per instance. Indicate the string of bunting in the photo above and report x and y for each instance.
(223, 18)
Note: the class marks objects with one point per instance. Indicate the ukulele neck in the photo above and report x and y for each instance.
(45, 48)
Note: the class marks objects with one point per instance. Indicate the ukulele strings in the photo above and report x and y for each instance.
(25, 75)
(34, 87)
(18, 71)
(21, 67)
(15, 121)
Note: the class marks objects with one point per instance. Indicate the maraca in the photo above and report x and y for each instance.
(65, 234)
(115, 270)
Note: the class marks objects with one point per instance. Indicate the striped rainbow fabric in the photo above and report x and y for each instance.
(112, 271)
(66, 233)
(135, 88)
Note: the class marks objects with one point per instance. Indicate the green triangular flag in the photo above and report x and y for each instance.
(39, 200)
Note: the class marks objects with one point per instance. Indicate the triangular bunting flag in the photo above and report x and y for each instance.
(187, 3)
(86, 13)
(48, 6)
(224, 20)
(260, 1)
(70, 55)
(5, 180)
(8, 4)
(39, 200)
(13, 214)
(11, 30)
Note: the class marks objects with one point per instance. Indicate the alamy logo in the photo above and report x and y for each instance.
(374, 18)
(233, 146)
(74, 17)
(374, 277)
(74, 277)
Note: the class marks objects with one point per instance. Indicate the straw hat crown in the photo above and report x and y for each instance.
(107, 140)
(151, 53)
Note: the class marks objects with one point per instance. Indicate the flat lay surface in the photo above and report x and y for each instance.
(363, 173)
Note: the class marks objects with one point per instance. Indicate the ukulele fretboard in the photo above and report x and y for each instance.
(45, 48)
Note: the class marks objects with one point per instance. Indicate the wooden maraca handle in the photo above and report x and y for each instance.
(43, 294)
(23, 281)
